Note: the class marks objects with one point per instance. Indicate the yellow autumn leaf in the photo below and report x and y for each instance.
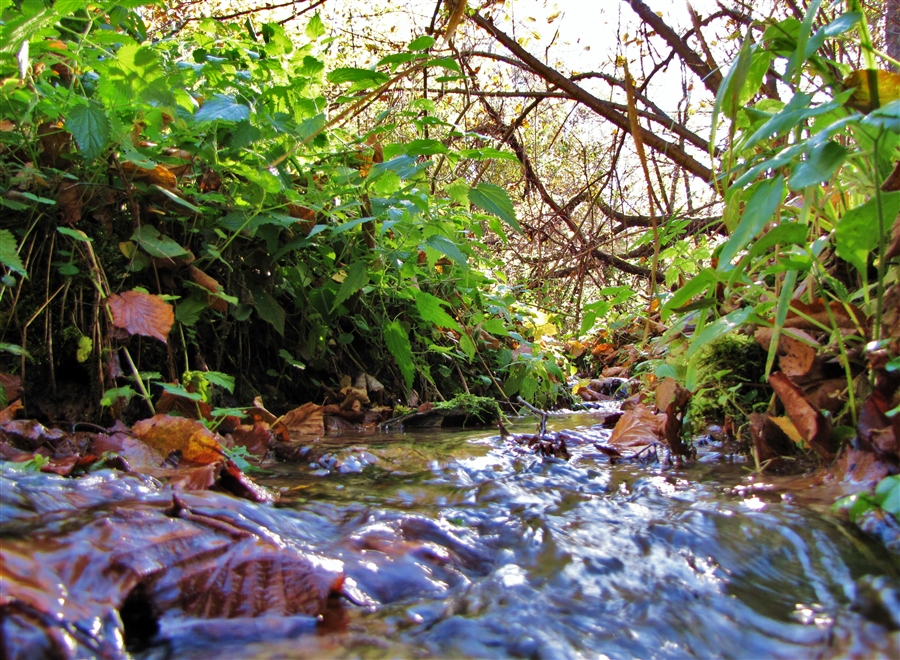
(167, 434)
(888, 87)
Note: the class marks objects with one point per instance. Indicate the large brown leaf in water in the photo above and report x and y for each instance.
(637, 427)
(167, 434)
(307, 420)
(141, 313)
(199, 557)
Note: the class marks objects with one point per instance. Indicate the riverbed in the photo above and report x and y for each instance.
(466, 544)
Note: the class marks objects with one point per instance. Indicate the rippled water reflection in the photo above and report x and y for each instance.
(472, 546)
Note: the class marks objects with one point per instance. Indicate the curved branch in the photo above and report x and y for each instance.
(672, 151)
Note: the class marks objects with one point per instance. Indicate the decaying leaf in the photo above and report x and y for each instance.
(809, 421)
(669, 391)
(259, 413)
(167, 434)
(140, 313)
(814, 316)
(210, 284)
(307, 420)
(796, 352)
(12, 386)
(10, 411)
(69, 201)
(787, 426)
(159, 175)
(637, 427)
(256, 438)
(769, 441)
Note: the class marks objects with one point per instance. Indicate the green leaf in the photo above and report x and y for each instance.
(397, 342)
(697, 284)
(819, 166)
(77, 234)
(494, 199)
(111, 395)
(316, 27)
(423, 147)
(856, 234)
(446, 246)
(445, 63)
(431, 310)
(177, 199)
(287, 357)
(219, 379)
(15, 349)
(155, 244)
(467, 345)
(9, 253)
(357, 278)
(354, 75)
(488, 153)
(268, 309)
(222, 107)
(786, 233)
(421, 43)
(759, 209)
(459, 192)
(178, 390)
(718, 328)
(90, 127)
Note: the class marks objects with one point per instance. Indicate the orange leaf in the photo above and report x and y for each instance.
(638, 426)
(141, 313)
(159, 175)
(308, 419)
(167, 434)
(202, 279)
(809, 421)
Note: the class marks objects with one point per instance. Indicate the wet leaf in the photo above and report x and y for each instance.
(811, 424)
(167, 434)
(638, 426)
(141, 313)
(307, 420)
(254, 437)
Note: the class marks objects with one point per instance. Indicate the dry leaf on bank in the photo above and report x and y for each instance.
(796, 350)
(637, 427)
(167, 434)
(306, 420)
(140, 313)
(811, 316)
(809, 421)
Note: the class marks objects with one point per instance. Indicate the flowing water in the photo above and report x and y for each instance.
(461, 544)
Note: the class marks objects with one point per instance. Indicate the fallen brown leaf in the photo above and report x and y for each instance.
(167, 434)
(210, 284)
(638, 426)
(306, 420)
(796, 352)
(140, 313)
(812, 425)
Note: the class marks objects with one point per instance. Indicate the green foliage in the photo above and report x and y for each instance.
(885, 497)
(210, 169)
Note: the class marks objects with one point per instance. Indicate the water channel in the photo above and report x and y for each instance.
(462, 544)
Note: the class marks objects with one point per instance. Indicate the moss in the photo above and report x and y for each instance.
(729, 374)
(479, 409)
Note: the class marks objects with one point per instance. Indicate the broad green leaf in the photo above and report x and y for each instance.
(856, 234)
(423, 147)
(397, 342)
(155, 244)
(694, 286)
(311, 127)
(398, 58)
(421, 43)
(467, 345)
(219, 379)
(111, 395)
(459, 192)
(315, 28)
(448, 247)
(357, 278)
(494, 199)
(387, 184)
(488, 153)
(90, 127)
(222, 107)
(177, 199)
(759, 209)
(15, 349)
(179, 390)
(268, 309)
(786, 233)
(445, 63)
(431, 310)
(819, 166)
(9, 253)
(495, 327)
(354, 75)
(718, 328)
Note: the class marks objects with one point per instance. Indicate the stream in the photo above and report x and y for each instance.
(463, 544)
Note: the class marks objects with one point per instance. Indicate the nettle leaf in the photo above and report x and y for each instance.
(494, 199)
(316, 27)
(397, 342)
(155, 244)
(448, 247)
(421, 43)
(459, 192)
(759, 209)
(856, 234)
(90, 127)
(219, 379)
(9, 253)
(354, 75)
(357, 278)
(431, 310)
(222, 107)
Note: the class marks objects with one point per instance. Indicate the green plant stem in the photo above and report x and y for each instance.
(851, 395)
(139, 382)
(882, 246)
